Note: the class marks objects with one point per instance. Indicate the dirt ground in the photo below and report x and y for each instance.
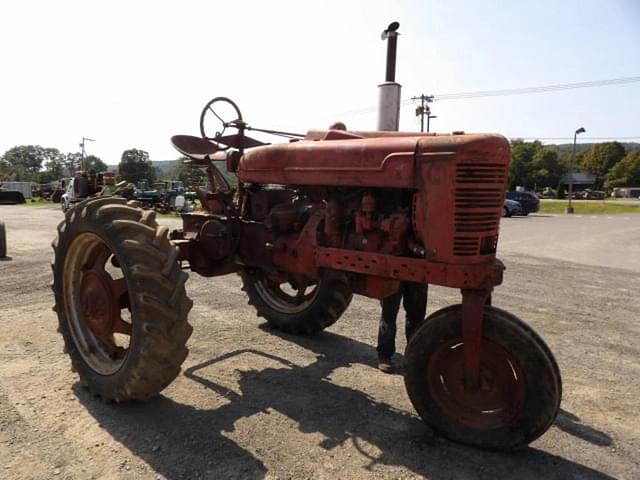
(252, 403)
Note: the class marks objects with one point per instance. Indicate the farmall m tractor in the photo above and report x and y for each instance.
(313, 221)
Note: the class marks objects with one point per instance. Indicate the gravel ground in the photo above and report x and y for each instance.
(252, 403)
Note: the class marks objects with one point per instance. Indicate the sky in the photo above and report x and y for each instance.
(130, 74)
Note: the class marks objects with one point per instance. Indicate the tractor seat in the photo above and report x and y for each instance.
(196, 148)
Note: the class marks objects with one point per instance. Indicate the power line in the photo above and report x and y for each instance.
(571, 138)
(509, 91)
(540, 89)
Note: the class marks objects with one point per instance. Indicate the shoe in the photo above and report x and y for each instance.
(385, 365)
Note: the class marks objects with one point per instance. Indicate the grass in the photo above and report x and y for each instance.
(582, 207)
(38, 202)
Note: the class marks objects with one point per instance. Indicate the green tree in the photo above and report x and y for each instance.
(522, 160)
(72, 163)
(534, 165)
(5, 172)
(601, 158)
(24, 161)
(91, 162)
(135, 166)
(625, 173)
(54, 168)
(546, 169)
(190, 176)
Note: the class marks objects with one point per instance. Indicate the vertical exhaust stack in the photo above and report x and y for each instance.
(389, 99)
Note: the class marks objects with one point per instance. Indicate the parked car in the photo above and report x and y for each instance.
(548, 192)
(589, 194)
(511, 208)
(529, 201)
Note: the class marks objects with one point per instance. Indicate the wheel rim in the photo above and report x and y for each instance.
(96, 299)
(498, 400)
(287, 297)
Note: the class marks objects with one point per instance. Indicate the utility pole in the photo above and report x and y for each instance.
(429, 117)
(424, 109)
(84, 139)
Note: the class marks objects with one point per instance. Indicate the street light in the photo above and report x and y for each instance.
(429, 117)
(569, 209)
(84, 139)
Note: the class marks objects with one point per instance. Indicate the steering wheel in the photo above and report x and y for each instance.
(221, 110)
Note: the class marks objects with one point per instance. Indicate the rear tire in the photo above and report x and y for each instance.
(330, 298)
(98, 233)
(520, 391)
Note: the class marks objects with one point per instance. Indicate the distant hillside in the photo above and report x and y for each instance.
(583, 147)
(163, 165)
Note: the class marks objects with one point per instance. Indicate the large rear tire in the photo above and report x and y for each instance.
(120, 298)
(520, 391)
(303, 313)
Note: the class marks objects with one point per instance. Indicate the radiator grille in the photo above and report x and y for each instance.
(465, 246)
(476, 222)
(476, 198)
(481, 173)
(479, 195)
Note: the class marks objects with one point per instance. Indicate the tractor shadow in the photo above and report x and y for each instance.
(571, 424)
(180, 441)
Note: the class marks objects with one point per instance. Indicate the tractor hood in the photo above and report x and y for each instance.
(355, 159)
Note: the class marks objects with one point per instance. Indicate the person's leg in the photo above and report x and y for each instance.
(415, 305)
(387, 329)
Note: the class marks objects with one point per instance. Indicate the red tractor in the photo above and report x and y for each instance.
(311, 222)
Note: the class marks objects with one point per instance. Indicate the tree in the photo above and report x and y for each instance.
(601, 158)
(190, 176)
(91, 162)
(72, 162)
(625, 173)
(55, 168)
(533, 164)
(135, 166)
(521, 158)
(24, 161)
(547, 170)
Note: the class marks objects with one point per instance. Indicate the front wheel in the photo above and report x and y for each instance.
(120, 299)
(298, 309)
(520, 387)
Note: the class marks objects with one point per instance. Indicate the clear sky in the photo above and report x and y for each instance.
(133, 73)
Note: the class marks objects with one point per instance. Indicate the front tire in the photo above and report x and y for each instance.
(302, 313)
(520, 391)
(120, 298)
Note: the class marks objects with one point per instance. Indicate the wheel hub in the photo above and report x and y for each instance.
(499, 398)
(99, 304)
